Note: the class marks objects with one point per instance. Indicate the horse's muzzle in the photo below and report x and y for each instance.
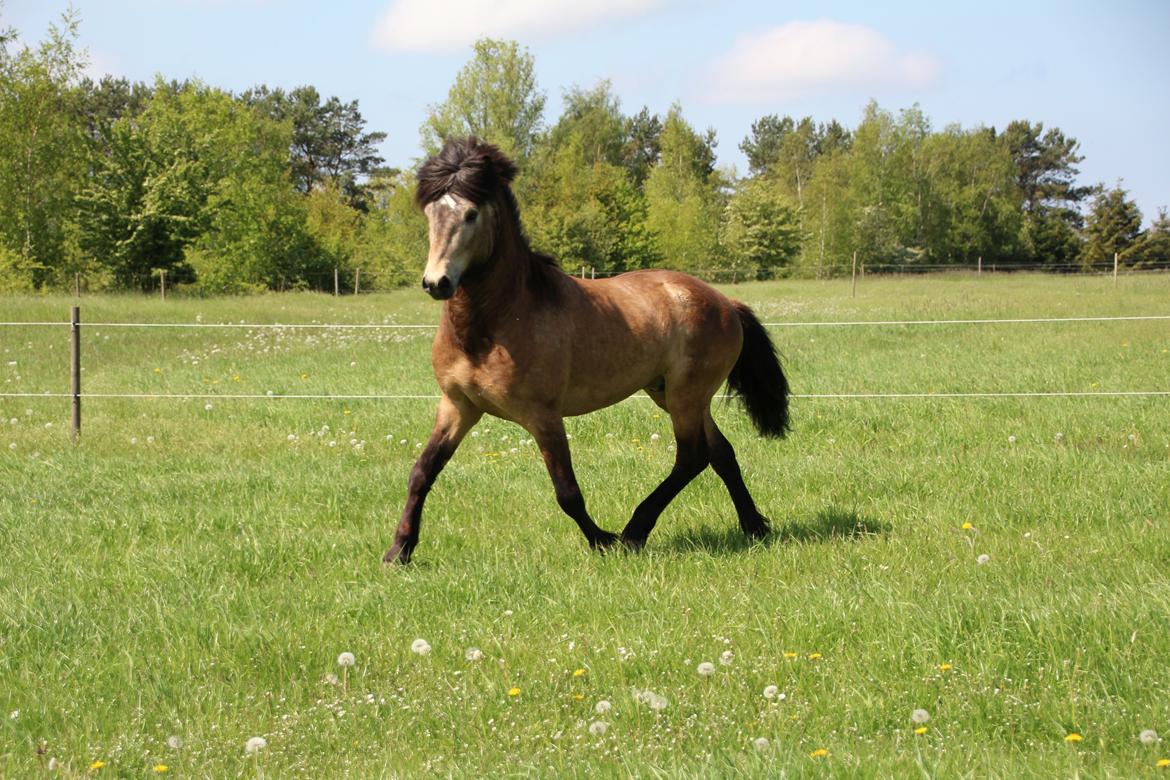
(440, 290)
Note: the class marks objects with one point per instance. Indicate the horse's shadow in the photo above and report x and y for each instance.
(828, 525)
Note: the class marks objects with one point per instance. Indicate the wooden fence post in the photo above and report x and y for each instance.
(853, 291)
(357, 280)
(162, 283)
(77, 284)
(1115, 258)
(75, 367)
(336, 282)
(980, 265)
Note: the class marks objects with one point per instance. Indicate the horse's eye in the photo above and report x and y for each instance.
(471, 216)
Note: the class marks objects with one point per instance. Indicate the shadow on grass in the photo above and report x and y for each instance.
(829, 525)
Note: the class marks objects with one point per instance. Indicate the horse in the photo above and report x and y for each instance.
(522, 340)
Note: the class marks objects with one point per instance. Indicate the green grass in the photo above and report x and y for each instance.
(195, 573)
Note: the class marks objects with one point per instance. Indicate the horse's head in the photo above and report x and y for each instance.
(460, 192)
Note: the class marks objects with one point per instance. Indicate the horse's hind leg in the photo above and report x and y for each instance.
(691, 457)
(727, 467)
(452, 422)
(550, 437)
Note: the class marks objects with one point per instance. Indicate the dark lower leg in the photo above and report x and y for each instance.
(727, 467)
(555, 449)
(689, 462)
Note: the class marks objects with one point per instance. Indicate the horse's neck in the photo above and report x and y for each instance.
(496, 295)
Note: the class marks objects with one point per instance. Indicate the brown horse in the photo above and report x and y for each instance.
(524, 341)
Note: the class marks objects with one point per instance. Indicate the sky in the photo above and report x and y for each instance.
(1098, 71)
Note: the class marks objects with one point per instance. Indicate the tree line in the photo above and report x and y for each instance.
(274, 189)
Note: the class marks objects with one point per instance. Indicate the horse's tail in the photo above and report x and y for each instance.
(757, 377)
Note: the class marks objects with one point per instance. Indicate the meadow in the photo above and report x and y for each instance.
(185, 578)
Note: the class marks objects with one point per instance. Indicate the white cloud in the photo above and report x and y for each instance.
(798, 59)
(427, 25)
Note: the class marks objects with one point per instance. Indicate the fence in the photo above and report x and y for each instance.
(75, 394)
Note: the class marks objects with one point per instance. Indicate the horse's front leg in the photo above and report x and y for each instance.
(550, 436)
(452, 422)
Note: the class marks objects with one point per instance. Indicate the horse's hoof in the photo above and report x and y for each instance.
(633, 545)
(758, 529)
(398, 554)
(603, 541)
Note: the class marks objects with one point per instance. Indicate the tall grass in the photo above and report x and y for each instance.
(194, 572)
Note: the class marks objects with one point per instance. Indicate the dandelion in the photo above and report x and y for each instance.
(706, 669)
(1058, 438)
(331, 679)
(598, 728)
(771, 691)
(578, 672)
(1073, 738)
(96, 765)
(207, 407)
(345, 659)
(819, 753)
(790, 655)
(578, 697)
(1148, 737)
(945, 667)
(513, 691)
(420, 647)
(14, 714)
(919, 716)
(920, 730)
(254, 745)
(654, 437)
(602, 707)
(160, 768)
(982, 559)
(968, 527)
(814, 656)
(760, 743)
(657, 702)
(1011, 440)
(473, 654)
(174, 742)
(1163, 763)
(52, 765)
(726, 658)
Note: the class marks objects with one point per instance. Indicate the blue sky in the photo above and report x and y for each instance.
(1099, 71)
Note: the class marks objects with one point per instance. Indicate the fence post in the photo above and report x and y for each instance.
(77, 284)
(336, 283)
(1115, 256)
(75, 367)
(853, 291)
(592, 272)
(980, 265)
(162, 285)
(357, 280)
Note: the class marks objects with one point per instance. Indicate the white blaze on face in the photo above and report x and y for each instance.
(457, 239)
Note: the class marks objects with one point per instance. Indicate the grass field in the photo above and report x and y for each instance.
(192, 569)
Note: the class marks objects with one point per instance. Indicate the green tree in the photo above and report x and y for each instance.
(1153, 251)
(42, 153)
(494, 97)
(1114, 225)
(762, 227)
(393, 242)
(683, 197)
(643, 135)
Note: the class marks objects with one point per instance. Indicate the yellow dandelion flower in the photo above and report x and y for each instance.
(513, 691)
(158, 371)
(578, 672)
(814, 656)
(920, 730)
(347, 411)
(945, 667)
(236, 378)
(1163, 762)
(578, 697)
(967, 526)
(819, 753)
(1073, 737)
(96, 765)
(790, 655)
(160, 768)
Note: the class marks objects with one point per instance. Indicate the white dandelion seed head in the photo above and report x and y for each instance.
(12, 446)
(150, 440)
(1011, 440)
(331, 679)
(706, 669)
(771, 691)
(174, 742)
(473, 654)
(255, 745)
(598, 728)
(14, 714)
(654, 437)
(602, 707)
(345, 659)
(760, 743)
(919, 716)
(52, 764)
(726, 657)
(420, 647)
(133, 439)
(1058, 436)
(508, 613)
(1148, 737)
(658, 702)
(207, 407)
(982, 559)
